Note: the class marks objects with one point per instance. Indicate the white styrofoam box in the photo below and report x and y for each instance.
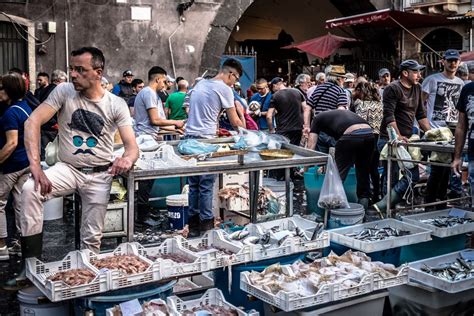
(39, 272)
(168, 268)
(215, 238)
(118, 280)
(238, 178)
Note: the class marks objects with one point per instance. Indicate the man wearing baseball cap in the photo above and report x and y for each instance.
(402, 105)
(124, 88)
(384, 79)
(441, 93)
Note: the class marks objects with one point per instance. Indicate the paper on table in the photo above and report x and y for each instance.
(468, 255)
(457, 213)
(131, 308)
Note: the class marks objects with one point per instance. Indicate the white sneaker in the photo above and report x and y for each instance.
(4, 253)
(15, 249)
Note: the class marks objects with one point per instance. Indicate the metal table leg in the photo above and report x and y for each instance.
(389, 177)
(289, 209)
(77, 221)
(131, 207)
(253, 187)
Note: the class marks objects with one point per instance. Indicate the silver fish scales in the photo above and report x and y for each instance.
(377, 234)
(452, 271)
(447, 221)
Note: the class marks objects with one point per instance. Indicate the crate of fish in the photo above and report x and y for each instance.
(444, 223)
(217, 250)
(171, 259)
(211, 303)
(379, 235)
(309, 235)
(124, 266)
(66, 279)
(451, 273)
(281, 237)
(301, 285)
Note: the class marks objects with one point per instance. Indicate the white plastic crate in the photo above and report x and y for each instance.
(114, 311)
(194, 283)
(215, 238)
(290, 245)
(117, 279)
(290, 301)
(167, 268)
(441, 232)
(417, 235)
(210, 297)
(38, 272)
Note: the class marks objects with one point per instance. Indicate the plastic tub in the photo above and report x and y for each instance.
(313, 181)
(53, 209)
(177, 210)
(433, 248)
(99, 304)
(416, 299)
(236, 296)
(346, 216)
(162, 188)
(33, 302)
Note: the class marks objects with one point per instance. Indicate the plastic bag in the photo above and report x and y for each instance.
(332, 194)
(51, 152)
(147, 143)
(439, 134)
(194, 147)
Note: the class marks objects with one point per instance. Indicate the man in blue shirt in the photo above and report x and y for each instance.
(263, 97)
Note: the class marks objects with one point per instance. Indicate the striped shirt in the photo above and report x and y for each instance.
(327, 96)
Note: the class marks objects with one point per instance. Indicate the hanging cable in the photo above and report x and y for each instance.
(15, 24)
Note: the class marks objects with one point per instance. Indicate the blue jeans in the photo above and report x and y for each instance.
(399, 185)
(200, 194)
(324, 142)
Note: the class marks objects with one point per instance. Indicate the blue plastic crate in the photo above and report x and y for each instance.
(436, 247)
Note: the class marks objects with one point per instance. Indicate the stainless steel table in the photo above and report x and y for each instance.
(250, 162)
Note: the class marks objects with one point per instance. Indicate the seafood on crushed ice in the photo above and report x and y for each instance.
(447, 221)
(306, 279)
(452, 271)
(377, 234)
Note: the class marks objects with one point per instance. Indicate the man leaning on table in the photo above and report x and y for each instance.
(88, 118)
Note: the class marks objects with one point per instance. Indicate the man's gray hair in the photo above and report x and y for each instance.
(320, 75)
(58, 75)
(302, 78)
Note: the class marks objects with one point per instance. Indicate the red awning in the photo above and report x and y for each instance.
(390, 18)
(323, 46)
(467, 56)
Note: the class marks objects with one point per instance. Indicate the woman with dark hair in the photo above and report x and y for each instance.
(368, 105)
(14, 163)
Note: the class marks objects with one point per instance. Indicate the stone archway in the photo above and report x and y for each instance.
(441, 39)
(231, 12)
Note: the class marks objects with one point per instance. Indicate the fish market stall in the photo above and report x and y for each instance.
(250, 161)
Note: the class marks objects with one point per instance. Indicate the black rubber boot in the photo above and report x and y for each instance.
(207, 224)
(379, 209)
(31, 246)
(194, 223)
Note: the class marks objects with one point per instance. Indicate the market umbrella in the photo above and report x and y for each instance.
(323, 46)
(467, 56)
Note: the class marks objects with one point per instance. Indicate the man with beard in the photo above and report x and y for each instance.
(88, 118)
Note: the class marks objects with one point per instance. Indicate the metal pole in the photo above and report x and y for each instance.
(289, 209)
(131, 206)
(253, 187)
(389, 177)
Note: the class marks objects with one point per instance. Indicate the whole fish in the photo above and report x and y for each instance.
(446, 221)
(451, 271)
(377, 234)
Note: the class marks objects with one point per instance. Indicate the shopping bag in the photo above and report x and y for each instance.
(51, 152)
(332, 194)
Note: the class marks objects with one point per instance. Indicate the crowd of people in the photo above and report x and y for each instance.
(335, 109)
